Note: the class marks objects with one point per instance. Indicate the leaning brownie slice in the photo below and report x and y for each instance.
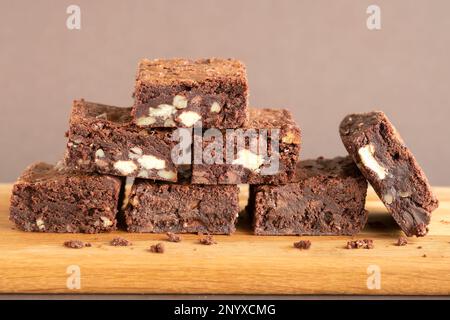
(50, 198)
(179, 92)
(391, 169)
(181, 208)
(328, 199)
(267, 163)
(103, 139)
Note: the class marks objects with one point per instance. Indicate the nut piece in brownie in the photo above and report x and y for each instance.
(390, 167)
(48, 198)
(181, 208)
(239, 162)
(103, 139)
(328, 199)
(179, 92)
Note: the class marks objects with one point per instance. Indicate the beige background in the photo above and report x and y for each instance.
(316, 58)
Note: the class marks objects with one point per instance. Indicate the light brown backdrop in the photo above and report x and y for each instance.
(316, 58)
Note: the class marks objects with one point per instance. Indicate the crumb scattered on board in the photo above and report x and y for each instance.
(172, 237)
(302, 244)
(419, 247)
(76, 244)
(207, 240)
(120, 242)
(157, 248)
(360, 244)
(424, 256)
(402, 241)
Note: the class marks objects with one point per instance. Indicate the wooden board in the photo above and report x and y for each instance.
(238, 264)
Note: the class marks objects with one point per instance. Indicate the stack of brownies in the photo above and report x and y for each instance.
(189, 140)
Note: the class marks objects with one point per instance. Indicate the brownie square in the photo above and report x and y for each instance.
(244, 164)
(48, 198)
(390, 167)
(179, 92)
(181, 208)
(328, 199)
(103, 139)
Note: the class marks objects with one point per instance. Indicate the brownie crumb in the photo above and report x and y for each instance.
(172, 237)
(207, 240)
(419, 247)
(157, 248)
(120, 242)
(402, 241)
(76, 244)
(360, 244)
(424, 256)
(302, 244)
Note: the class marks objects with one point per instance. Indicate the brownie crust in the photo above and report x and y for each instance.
(179, 92)
(181, 208)
(48, 198)
(103, 139)
(327, 199)
(390, 167)
(238, 172)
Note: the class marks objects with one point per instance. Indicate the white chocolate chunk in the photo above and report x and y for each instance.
(368, 160)
(215, 107)
(249, 160)
(106, 222)
(404, 194)
(169, 123)
(162, 111)
(189, 118)
(125, 167)
(40, 224)
(99, 153)
(145, 121)
(168, 175)
(388, 198)
(143, 174)
(135, 153)
(179, 102)
(151, 162)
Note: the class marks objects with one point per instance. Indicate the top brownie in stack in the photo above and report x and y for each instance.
(179, 92)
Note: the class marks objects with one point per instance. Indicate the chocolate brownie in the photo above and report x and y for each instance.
(390, 167)
(327, 199)
(181, 208)
(237, 162)
(48, 198)
(103, 139)
(179, 92)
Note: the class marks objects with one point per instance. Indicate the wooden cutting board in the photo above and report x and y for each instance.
(238, 264)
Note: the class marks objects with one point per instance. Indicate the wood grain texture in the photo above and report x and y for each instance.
(238, 264)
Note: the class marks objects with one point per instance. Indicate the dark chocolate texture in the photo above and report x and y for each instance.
(328, 199)
(46, 198)
(181, 208)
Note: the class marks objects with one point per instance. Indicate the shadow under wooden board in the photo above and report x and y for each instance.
(237, 264)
